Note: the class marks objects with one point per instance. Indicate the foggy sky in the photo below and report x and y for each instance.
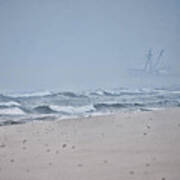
(67, 44)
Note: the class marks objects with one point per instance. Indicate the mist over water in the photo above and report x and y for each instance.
(80, 45)
(62, 59)
(21, 108)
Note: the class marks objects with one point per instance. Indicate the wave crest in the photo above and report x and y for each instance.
(12, 111)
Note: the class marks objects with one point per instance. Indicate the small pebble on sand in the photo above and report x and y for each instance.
(24, 141)
(2, 145)
(131, 172)
(105, 161)
(12, 160)
(80, 165)
(64, 145)
(48, 150)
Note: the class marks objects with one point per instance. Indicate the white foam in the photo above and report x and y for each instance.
(11, 111)
(175, 92)
(110, 102)
(33, 94)
(10, 103)
(73, 110)
(99, 92)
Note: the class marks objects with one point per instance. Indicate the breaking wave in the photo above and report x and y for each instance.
(12, 111)
(64, 110)
(24, 107)
(29, 95)
(116, 105)
(44, 109)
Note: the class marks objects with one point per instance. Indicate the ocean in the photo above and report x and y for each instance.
(48, 105)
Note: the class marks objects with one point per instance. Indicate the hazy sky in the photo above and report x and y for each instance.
(80, 44)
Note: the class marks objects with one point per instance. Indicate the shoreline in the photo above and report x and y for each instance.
(93, 115)
(125, 145)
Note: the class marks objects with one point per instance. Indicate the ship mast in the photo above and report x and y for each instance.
(158, 61)
(148, 64)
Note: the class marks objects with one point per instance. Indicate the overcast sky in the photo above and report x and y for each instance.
(80, 44)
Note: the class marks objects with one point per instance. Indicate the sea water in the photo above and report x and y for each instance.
(45, 105)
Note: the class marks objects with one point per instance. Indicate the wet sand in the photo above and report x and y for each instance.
(134, 145)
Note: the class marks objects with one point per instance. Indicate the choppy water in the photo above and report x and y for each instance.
(21, 108)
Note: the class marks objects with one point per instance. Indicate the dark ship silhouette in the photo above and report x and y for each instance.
(151, 67)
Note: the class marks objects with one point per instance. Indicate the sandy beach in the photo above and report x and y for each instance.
(124, 146)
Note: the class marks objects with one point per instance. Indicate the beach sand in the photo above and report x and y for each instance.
(124, 146)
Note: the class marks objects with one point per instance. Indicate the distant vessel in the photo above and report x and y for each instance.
(150, 67)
